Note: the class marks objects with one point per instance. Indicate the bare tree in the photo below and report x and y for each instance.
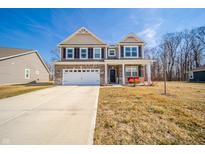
(171, 43)
(55, 54)
(178, 53)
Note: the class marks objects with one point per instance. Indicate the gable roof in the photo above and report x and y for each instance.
(131, 38)
(201, 68)
(82, 36)
(7, 53)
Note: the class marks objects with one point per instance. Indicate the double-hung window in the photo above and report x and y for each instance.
(27, 73)
(96, 53)
(83, 53)
(131, 71)
(131, 51)
(69, 53)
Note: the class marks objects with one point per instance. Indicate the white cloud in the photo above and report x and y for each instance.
(149, 21)
(150, 34)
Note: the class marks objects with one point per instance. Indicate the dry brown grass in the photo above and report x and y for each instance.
(142, 115)
(13, 90)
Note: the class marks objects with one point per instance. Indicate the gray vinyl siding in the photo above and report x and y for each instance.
(13, 70)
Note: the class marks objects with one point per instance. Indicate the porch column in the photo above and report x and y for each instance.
(149, 74)
(123, 73)
(105, 73)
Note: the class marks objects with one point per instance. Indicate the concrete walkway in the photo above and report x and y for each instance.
(58, 115)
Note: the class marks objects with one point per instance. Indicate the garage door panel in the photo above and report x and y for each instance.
(81, 77)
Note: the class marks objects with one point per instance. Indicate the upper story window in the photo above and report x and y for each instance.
(69, 53)
(96, 53)
(83, 53)
(131, 51)
(111, 52)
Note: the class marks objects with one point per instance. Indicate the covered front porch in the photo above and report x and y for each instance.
(120, 71)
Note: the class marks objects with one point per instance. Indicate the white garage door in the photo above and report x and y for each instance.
(81, 76)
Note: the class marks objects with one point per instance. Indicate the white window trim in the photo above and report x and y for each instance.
(29, 74)
(131, 56)
(94, 53)
(109, 53)
(67, 54)
(86, 53)
(131, 68)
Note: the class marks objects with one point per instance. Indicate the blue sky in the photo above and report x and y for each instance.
(43, 29)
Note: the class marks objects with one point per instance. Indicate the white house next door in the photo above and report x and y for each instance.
(81, 77)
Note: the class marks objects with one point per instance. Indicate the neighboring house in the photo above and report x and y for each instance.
(86, 59)
(19, 66)
(197, 75)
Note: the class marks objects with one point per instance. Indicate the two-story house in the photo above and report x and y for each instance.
(86, 59)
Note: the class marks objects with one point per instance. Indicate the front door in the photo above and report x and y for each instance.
(112, 76)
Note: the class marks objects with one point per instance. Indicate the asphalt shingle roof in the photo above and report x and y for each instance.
(6, 52)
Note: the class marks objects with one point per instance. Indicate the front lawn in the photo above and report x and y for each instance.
(143, 115)
(13, 90)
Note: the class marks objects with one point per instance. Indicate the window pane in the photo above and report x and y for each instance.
(70, 53)
(97, 53)
(83, 53)
(127, 49)
(128, 71)
(112, 52)
(27, 73)
(127, 52)
(134, 71)
(134, 51)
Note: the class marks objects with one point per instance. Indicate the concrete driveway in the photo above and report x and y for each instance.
(58, 115)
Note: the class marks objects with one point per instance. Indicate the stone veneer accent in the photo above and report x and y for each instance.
(118, 69)
(59, 70)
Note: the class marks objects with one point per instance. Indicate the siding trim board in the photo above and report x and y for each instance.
(84, 44)
(131, 42)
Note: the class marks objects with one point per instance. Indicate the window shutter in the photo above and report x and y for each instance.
(102, 53)
(90, 52)
(122, 51)
(140, 51)
(76, 53)
(139, 70)
(64, 53)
